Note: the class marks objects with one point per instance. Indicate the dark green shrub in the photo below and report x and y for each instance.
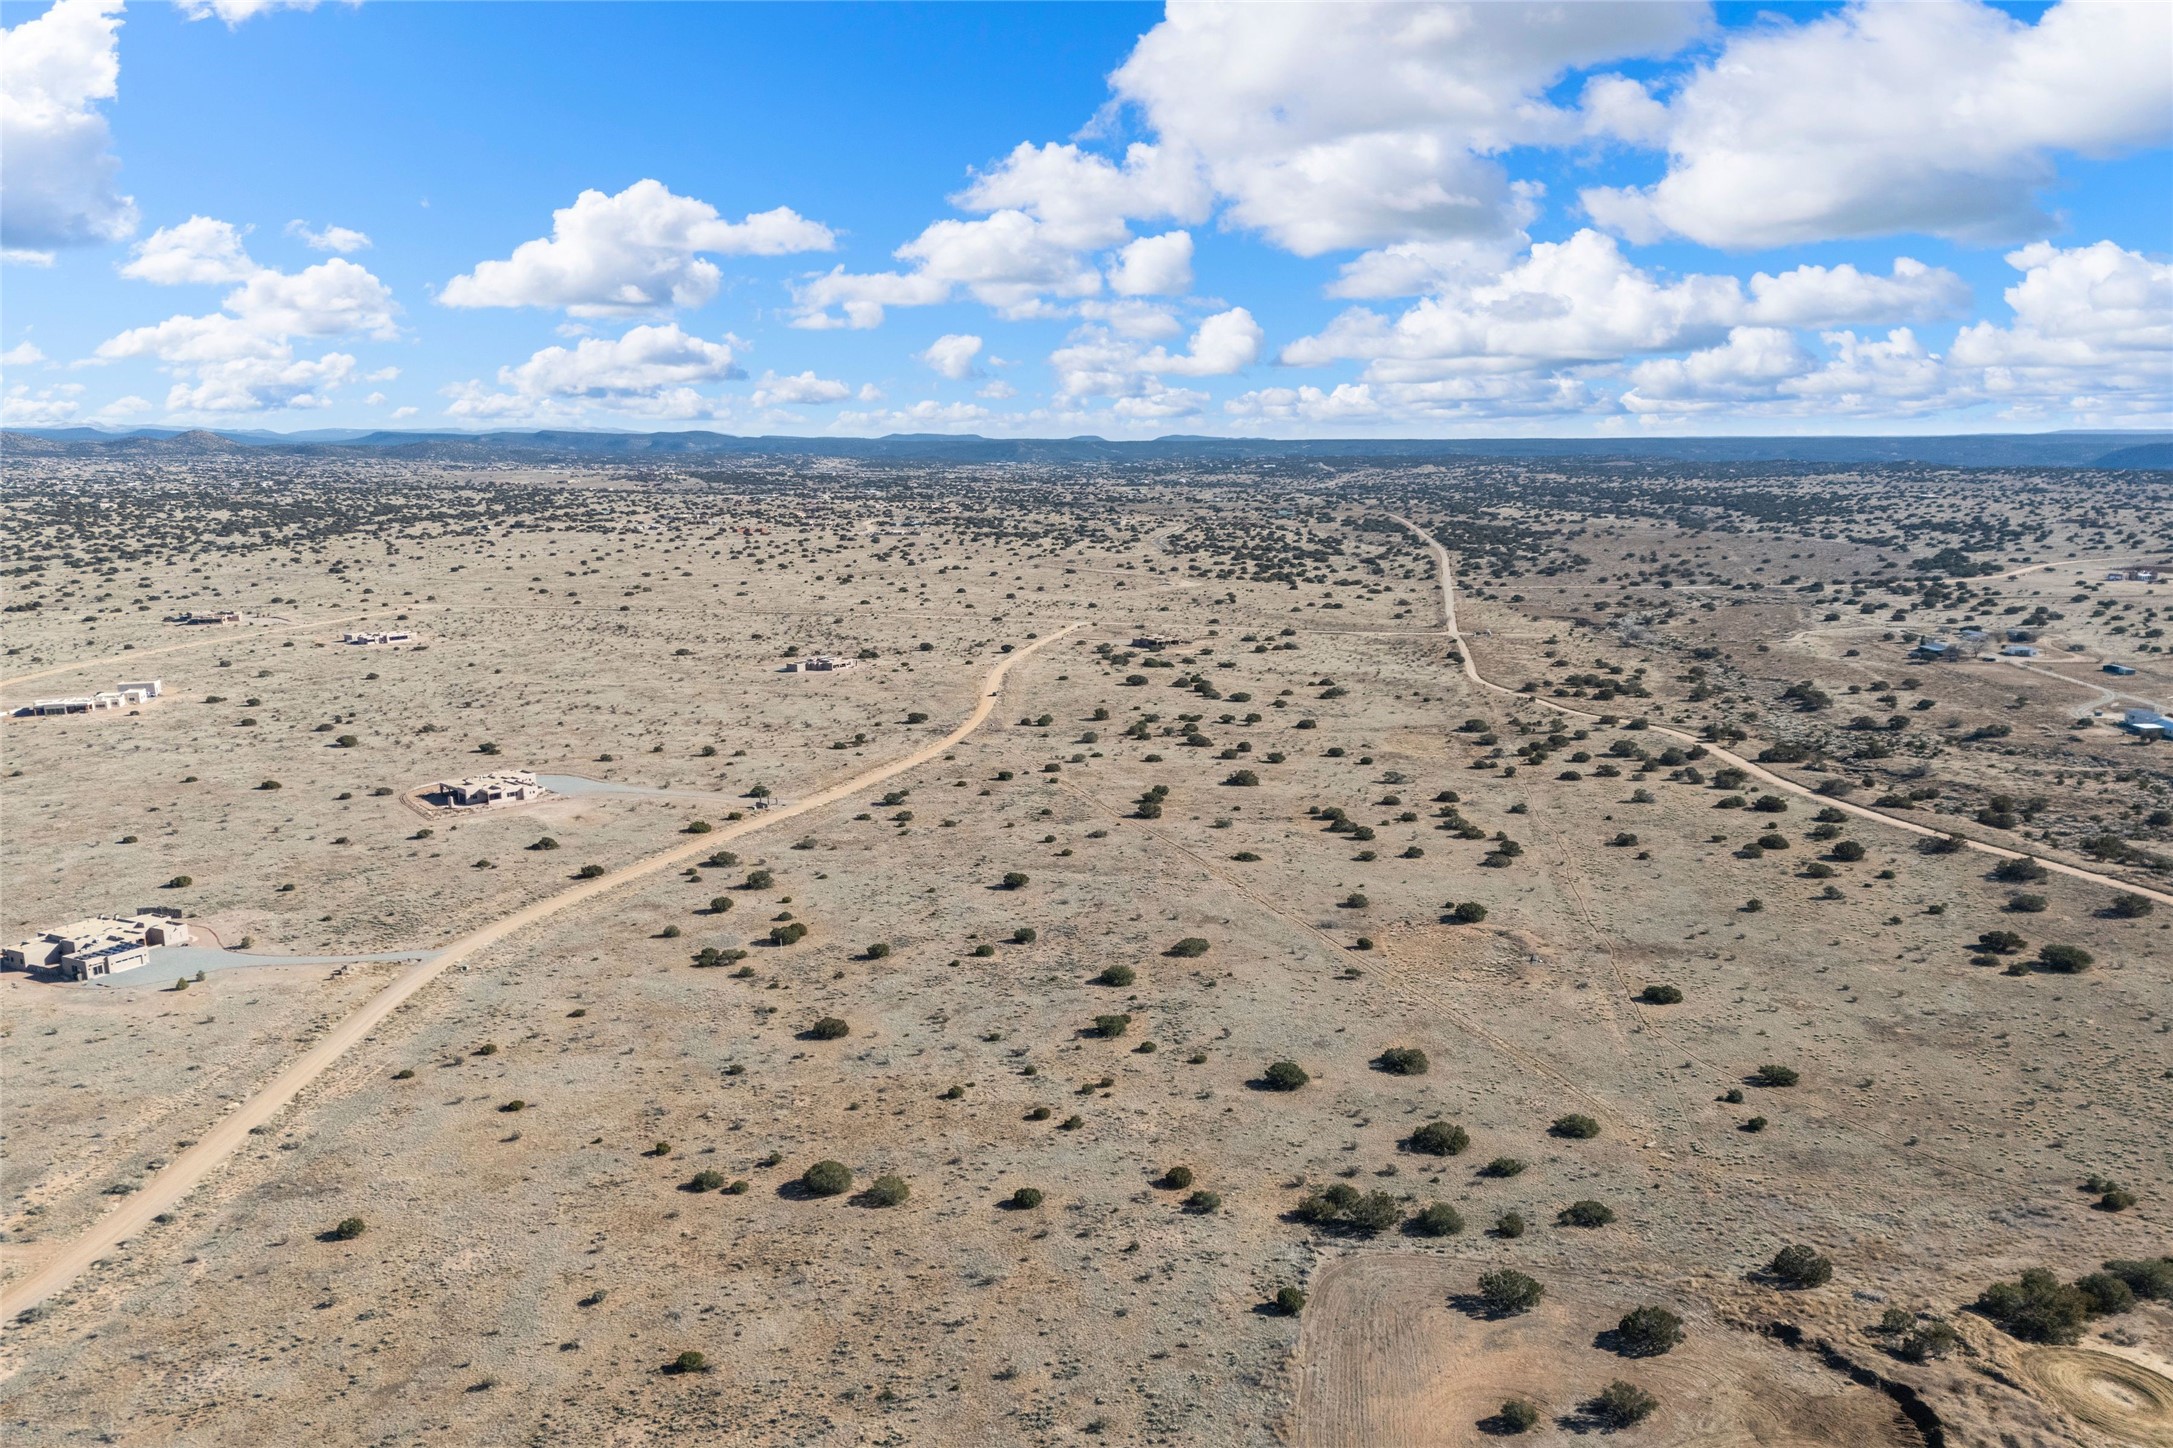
(1848, 851)
(589, 872)
(1203, 1203)
(878, 951)
(2150, 1278)
(1661, 995)
(2038, 1307)
(1285, 1076)
(1470, 912)
(1509, 1224)
(2021, 871)
(829, 1028)
(827, 1179)
(1437, 1219)
(2000, 942)
(2065, 959)
(2105, 1293)
(1111, 1027)
(1503, 1166)
(1289, 1301)
(706, 1181)
(1014, 880)
(1776, 1076)
(1929, 1342)
(688, 1362)
(1895, 1319)
(1403, 1061)
(1507, 1292)
(348, 1228)
(2131, 906)
(1515, 1416)
(1620, 1404)
(1177, 1178)
(1586, 1213)
(2028, 904)
(1800, 1267)
(792, 932)
(1648, 1332)
(1116, 975)
(886, 1191)
(1025, 1199)
(1189, 948)
(1575, 1127)
(1440, 1138)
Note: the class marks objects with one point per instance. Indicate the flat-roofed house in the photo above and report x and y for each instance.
(100, 946)
(2146, 723)
(127, 693)
(509, 787)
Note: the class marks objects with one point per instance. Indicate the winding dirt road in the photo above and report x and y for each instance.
(1447, 575)
(165, 1190)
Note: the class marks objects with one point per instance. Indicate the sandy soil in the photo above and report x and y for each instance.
(525, 1276)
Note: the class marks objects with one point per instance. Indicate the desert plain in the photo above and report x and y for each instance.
(1772, 935)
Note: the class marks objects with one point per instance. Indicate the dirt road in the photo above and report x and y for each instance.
(211, 635)
(1766, 776)
(166, 1189)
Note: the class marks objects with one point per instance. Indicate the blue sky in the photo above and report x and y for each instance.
(1345, 220)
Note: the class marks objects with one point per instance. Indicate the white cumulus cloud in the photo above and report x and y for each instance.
(58, 187)
(651, 370)
(342, 239)
(952, 355)
(242, 358)
(642, 250)
(1939, 117)
(56, 406)
(201, 249)
(1582, 300)
(1368, 124)
(234, 12)
(1099, 362)
(1153, 266)
(805, 388)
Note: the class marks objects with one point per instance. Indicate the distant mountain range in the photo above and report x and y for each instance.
(2114, 450)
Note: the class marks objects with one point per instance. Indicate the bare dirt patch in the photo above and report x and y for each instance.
(1384, 1357)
